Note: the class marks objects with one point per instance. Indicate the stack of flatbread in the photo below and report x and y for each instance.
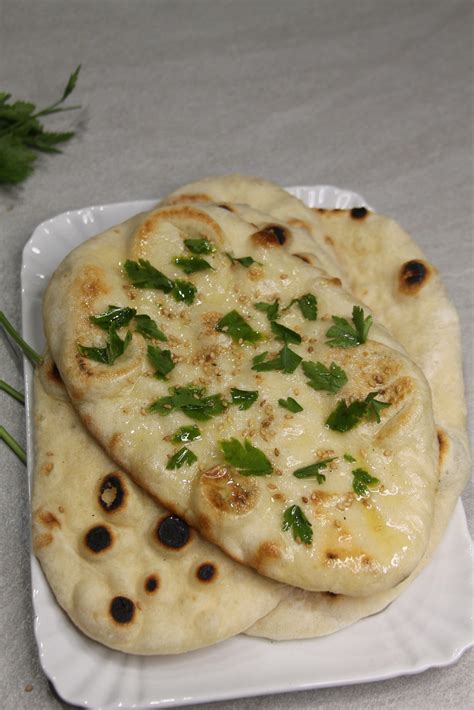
(249, 419)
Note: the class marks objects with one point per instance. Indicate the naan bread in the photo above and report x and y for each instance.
(385, 268)
(129, 574)
(361, 544)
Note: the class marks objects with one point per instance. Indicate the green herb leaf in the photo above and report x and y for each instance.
(184, 291)
(244, 261)
(244, 398)
(349, 458)
(314, 470)
(234, 325)
(114, 348)
(270, 309)
(290, 404)
(343, 335)
(115, 317)
(191, 264)
(199, 246)
(186, 433)
(161, 360)
(375, 406)
(362, 479)
(284, 334)
(191, 401)
(181, 457)
(16, 160)
(147, 327)
(286, 360)
(308, 306)
(247, 459)
(330, 379)
(143, 275)
(294, 518)
(346, 417)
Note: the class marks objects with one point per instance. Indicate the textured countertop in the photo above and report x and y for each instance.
(371, 95)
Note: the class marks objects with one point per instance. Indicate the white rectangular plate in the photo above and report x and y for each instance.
(429, 625)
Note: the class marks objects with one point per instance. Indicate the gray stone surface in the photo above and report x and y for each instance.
(374, 95)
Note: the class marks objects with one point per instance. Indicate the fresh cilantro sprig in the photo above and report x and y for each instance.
(236, 327)
(114, 317)
(346, 417)
(244, 261)
(184, 291)
(286, 360)
(296, 520)
(314, 470)
(320, 377)
(343, 335)
(284, 334)
(307, 304)
(147, 327)
(349, 457)
(180, 458)
(361, 480)
(270, 309)
(290, 404)
(190, 400)
(22, 133)
(243, 398)
(186, 433)
(161, 361)
(114, 348)
(191, 264)
(199, 246)
(142, 274)
(247, 459)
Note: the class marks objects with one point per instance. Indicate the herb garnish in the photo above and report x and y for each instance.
(161, 360)
(13, 444)
(143, 275)
(286, 360)
(284, 334)
(191, 401)
(244, 398)
(362, 479)
(346, 417)
(247, 459)
(186, 433)
(114, 317)
(114, 347)
(199, 246)
(343, 335)
(27, 350)
(290, 404)
(308, 306)
(349, 458)
(181, 457)
(294, 518)
(314, 470)
(191, 264)
(270, 309)
(330, 379)
(184, 291)
(21, 133)
(147, 327)
(234, 325)
(244, 261)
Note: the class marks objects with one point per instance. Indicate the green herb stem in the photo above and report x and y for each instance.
(19, 396)
(13, 444)
(31, 354)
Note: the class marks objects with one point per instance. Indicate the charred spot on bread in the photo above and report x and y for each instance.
(122, 610)
(443, 443)
(272, 235)
(152, 582)
(359, 212)
(98, 538)
(173, 532)
(413, 276)
(206, 572)
(53, 374)
(112, 492)
(227, 491)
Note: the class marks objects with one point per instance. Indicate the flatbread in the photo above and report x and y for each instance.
(353, 550)
(129, 574)
(386, 269)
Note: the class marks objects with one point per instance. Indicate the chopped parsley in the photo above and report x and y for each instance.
(114, 347)
(346, 417)
(114, 317)
(290, 404)
(270, 309)
(330, 379)
(286, 360)
(349, 458)
(361, 480)
(284, 334)
(186, 433)
(294, 518)
(314, 470)
(161, 360)
(244, 398)
(235, 326)
(343, 335)
(247, 459)
(308, 306)
(143, 275)
(190, 400)
(184, 291)
(191, 264)
(181, 457)
(199, 246)
(244, 261)
(147, 327)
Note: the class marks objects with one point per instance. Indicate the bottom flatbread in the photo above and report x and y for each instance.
(128, 573)
(386, 269)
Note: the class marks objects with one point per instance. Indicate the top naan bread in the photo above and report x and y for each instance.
(361, 543)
